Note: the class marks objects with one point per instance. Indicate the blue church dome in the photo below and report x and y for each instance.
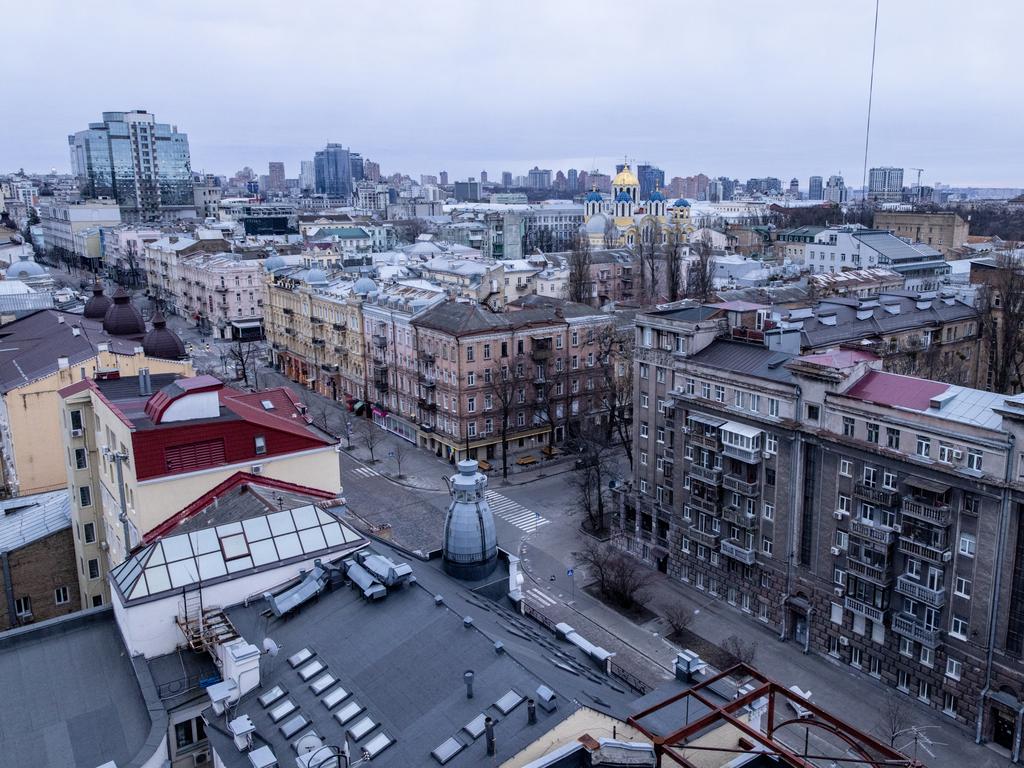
(594, 196)
(681, 203)
(623, 197)
(316, 276)
(656, 196)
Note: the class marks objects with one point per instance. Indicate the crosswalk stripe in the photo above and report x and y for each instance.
(514, 513)
(365, 472)
(541, 598)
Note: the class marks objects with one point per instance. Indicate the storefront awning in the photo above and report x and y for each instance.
(359, 406)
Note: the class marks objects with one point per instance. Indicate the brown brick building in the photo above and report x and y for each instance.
(943, 231)
(37, 559)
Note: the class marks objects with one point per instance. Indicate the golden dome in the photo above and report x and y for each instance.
(625, 178)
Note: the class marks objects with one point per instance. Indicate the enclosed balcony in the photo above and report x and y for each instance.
(928, 501)
(541, 349)
(741, 552)
(702, 431)
(741, 442)
(379, 340)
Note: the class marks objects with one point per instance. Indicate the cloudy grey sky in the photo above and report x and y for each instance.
(736, 88)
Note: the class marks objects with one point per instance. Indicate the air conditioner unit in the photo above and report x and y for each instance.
(840, 591)
(838, 514)
(844, 640)
(766, 455)
(897, 528)
(256, 469)
(77, 432)
(835, 551)
(958, 454)
(947, 556)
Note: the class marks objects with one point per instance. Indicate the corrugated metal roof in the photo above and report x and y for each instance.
(24, 519)
(749, 359)
(960, 404)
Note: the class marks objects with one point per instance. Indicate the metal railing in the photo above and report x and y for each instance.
(734, 483)
(540, 618)
(870, 572)
(874, 532)
(634, 682)
(936, 598)
(708, 475)
(909, 626)
(737, 551)
(930, 513)
(883, 497)
(859, 606)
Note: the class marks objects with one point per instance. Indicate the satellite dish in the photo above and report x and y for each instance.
(270, 647)
(307, 743)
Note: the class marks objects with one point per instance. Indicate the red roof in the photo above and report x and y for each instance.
(841, 358)
(895, 390)
(237, 479)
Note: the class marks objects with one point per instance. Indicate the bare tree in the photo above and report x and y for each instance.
(579, 271)
(615, 355)
(1003, 321)
(678, 617)
(674, 264)
(504, 385)
(410, 229)
(244, 356)
(650, 255)
(398, 454)
(611, 233)
(619, 578)
(594, 468)
(371, 436)
(893, 718)
(742, 650)
(700, 275)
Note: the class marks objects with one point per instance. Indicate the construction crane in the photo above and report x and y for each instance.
(918, 177)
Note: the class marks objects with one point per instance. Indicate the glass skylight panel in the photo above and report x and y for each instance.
(447, 750)
(322, 683)
(211, 566)
(282, 710)
(177, 548)
(267, 405)
(234, 546)
(157, 579)
(288, 546)
(305, 517)
(333, 535)
(281, 522)
(268, 698)
(324, 517)
(263, 552)
(312, 540)
(183, 573)
(256, 529)
(300, 656)
(156, 556)
(240, 564)
(361, 728)
(204, 541)
(314, 667)
(378, 744)
(508, 702)
(229, 529)
(140, 589)
(294, 725)
(335, 697)
(475, 727)
(348, 712)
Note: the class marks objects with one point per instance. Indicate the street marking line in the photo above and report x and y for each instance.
(514, 513)
(365, 472)
(541, 598)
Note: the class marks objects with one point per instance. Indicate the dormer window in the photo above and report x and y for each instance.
(261, 445)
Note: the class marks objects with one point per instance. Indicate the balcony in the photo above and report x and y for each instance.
(924, 551)
(859, 606)
(872, 573)
(746, 455)
(738, 484)
(877, 533)
(703, 505)
(707, 538)
(708, 475)
(881, 497)
(338, 327)
(340, 350)
(929, 513)
(221, 289)
(739, 552)
(739, 517)
(316, 320)
(287, 312)
(704, 441)
(379, 340)
(936, 598)
(427, 405)
(427, 358)
(909, 626)
(541, 353)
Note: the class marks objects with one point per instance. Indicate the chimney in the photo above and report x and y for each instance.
(531, 712)
(63, 362)
(103, 346)
(145, 386)
(489, 730)
(467, 677)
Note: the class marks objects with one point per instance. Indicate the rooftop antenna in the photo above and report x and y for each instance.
(871, 90)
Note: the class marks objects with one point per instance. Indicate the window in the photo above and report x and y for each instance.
(872, 433)
(471, 378)
(848, 426)
(660, 435)
(870, 477)
(60, 596)
(844, 504)
(755, 403)
(954, 667)
(892, 438)
(691, 389)
(261, 445)
(974, 460)
(644, 401)
(889, 480)
(81, 461)
(924, 690)
(903, 680)
(762, 611)
(89, 532)
(521, 419)
(719, 393)
(845, 468)
(643, 486)
(643, 429)
(924, 446)
(813, 412)
(833, 646)
(875, 666)
(738, 398)
(488, 426)
(764, 580)
(963, 587)
(769, 511)
(470, 354)
(927, 656)
(94, 569)
(487, 351)
(471, 405)
(958, 627)
(643, 458)
(705, 390)
(84, 496)
(471, 429)
(766, 545)
(842, 539)
(907, 647)
(968, 545)
(949, 703)
(76, 420)
(659, 373)
(189, 733)
(856, 656)
(839, 576)
(771, 444)
(644, 371)
(23, 607)
(773, 407)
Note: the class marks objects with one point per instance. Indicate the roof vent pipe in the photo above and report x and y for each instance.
(531, 712)
(489, 730)
(467, 678)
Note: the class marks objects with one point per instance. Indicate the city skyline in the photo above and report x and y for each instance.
(602, 111)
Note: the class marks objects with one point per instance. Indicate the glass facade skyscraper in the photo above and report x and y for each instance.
(333, 168)
(144, 165)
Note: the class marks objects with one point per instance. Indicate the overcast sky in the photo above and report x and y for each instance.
(735, 88)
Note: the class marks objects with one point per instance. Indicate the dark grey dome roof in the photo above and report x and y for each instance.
(23, 269)
(162, 342)
(470, 541)
(98, 304)
(123, 318)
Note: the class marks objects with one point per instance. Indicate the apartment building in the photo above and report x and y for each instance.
(160, 264)
(139, 448)
(221, 294)
(63, 224)
(482, 282)
(537, 364)
(855, 247)
(869, 516)
(945, 231)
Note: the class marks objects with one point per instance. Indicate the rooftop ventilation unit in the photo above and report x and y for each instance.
(385, 571)
(372, 589)
(312, 584)
(829, 319)
(941, 400)
(892, 309)
(865, 314)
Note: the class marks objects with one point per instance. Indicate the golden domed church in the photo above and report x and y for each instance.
(624, 220)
